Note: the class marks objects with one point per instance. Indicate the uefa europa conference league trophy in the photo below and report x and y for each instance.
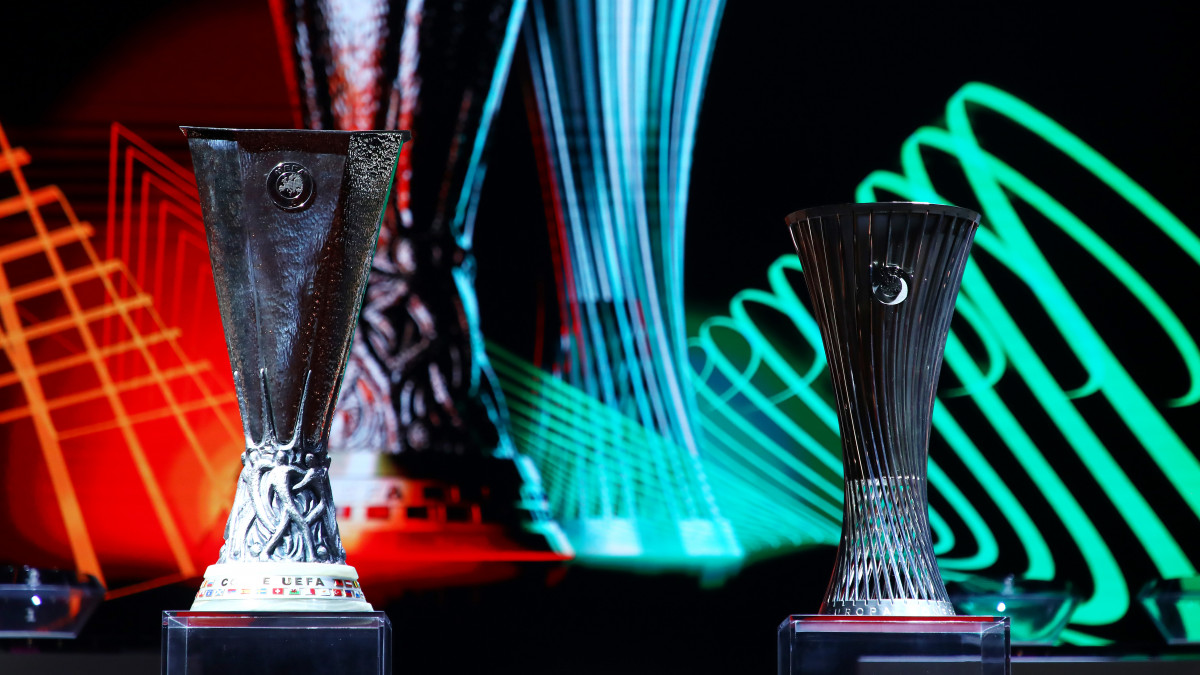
(292, 219)
(883, 279)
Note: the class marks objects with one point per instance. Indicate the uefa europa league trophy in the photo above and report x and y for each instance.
(883, 279)
(292, 219)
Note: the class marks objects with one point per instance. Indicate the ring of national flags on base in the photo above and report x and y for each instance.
(333, 588)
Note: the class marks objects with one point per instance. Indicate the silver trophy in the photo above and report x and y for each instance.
(292, 219)
(883, 279)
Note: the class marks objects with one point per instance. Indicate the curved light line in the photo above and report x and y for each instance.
(464, 220)
(996, 359)
(1007, 351)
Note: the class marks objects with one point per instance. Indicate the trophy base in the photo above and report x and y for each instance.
(297, 643)
(900, 607)
(280, 586)
(829, 645)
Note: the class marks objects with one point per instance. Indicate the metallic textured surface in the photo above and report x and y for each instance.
(883, 279)
(289, 279)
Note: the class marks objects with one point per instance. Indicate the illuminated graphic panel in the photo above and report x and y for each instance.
(155, 240)
(1026, 477)
(154, 226)
(618, 88)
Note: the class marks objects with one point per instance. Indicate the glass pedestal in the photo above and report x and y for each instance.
(297, 643)
(46, 603)
(866, 645)
(1174, 606)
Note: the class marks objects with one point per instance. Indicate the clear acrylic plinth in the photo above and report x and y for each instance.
(1174, 606)
(296, 643)
(46, 603)
(864, 645)
(1035, 618)
(1038, 610)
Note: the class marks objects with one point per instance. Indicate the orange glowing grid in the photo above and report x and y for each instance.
(133, 435)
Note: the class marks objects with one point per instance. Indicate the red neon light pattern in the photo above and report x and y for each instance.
(97, 393)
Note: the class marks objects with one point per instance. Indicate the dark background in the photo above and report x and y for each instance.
(803, 100)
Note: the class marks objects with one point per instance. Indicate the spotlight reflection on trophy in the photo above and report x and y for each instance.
(292, 219)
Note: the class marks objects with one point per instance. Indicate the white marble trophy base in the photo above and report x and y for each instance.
(279, 586)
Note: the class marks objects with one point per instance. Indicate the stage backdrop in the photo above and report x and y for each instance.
(631, 301)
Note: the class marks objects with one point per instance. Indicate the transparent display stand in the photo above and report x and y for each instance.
(46, 603)
(862, 645)
(296, 643)
(1174, 606)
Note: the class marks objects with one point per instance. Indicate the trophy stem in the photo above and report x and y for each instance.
(883, 280)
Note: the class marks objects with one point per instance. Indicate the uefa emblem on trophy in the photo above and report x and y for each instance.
(883, 279)
(292, 219)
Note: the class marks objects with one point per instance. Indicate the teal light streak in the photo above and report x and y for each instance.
(1082, 639)
(468, 200)
(573, 437)
(560, 426)
(1041, 562)
(618, 85)
(991, 345)
(464, 215)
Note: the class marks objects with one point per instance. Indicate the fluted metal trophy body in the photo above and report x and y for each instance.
(292, 219)
(883, 280)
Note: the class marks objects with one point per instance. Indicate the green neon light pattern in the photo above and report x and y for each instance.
(767, 430)
(582, 449)
(769, 391)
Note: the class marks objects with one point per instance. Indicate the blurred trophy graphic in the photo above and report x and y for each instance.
(428, 470)
(883, 279)
(616, 138)
(292, 219)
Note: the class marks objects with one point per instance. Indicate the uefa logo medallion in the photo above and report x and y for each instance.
(290, 186)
